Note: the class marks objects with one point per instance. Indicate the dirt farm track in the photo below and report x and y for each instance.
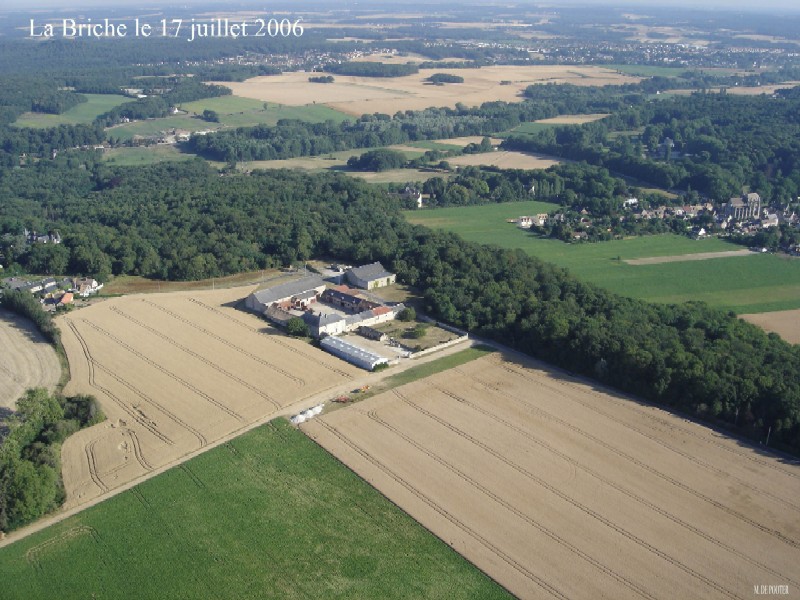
(173, 373)
(558, 489)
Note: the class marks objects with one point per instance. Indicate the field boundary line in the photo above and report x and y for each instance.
(643, 465)
(625, 404)
(588, 470)
(512, 509)
(522, 569)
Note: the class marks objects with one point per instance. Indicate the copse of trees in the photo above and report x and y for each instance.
(377, 160)
(441, 78)
(373, 69)
(30, 455)
(322, 79)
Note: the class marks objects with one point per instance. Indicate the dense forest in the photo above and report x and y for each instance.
(688, 357)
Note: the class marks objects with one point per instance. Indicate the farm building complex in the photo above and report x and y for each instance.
(331, 311)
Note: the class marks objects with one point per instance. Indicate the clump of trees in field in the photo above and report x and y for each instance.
(442, 78)
(373, 69)
(322, 79)
(30, 454)
(377, 160)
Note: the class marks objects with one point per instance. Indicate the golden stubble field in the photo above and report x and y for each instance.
(558, 489)
(174, 373)
(361, 95)
(26, 359)
(786, 323)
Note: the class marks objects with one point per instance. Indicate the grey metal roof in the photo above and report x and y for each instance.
(287, 290)
(370, 272)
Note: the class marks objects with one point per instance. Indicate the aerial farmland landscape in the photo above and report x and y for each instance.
(328, 300)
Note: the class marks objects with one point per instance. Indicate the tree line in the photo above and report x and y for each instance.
(688, 357)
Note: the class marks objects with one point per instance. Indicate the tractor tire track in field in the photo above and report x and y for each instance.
(273, 339)
(687, 431)
(589, 471)
(298, 380)
(191, 474)
(141, 395)
(32, 555)
(512, 509)
(168, 373)
(200, 357)
(544, 414)
(608, 523)
(700, 463)
(509, 560)
(137, 493)
(11, 375)
(137, 450)
(90, 457)
(91, 363)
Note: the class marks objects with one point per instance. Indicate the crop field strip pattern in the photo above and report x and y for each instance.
(509, 507)
(587, 510)
(189, 386)
(588, 470)
(199, 357)
(725, 552)
(91, 364)
(626, 404)
(274, 339)
(736, 514)
(516, 565)
(298, 380)
(173, 377)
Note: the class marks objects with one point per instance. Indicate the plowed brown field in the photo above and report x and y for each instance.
(558, 489)
(173, 373)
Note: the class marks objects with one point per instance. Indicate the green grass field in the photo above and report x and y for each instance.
(127, 157)
(268, 515)
(86, 112)
(745, 284)
(235, 111)
(648, 70)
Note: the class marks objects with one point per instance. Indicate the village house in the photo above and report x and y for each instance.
(85, 286)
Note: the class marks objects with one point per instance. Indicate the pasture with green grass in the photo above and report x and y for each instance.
(134, 157)
(744, 284)
(235, 111)
(267, 515)
(86, 112)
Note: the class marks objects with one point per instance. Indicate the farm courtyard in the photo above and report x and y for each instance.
(556, 488)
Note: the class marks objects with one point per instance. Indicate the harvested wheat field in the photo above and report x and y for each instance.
(174, 373)
(786, 323)
(573, 119)
(360, 95)
(506, 160)
(557, 489)
(27, 360)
